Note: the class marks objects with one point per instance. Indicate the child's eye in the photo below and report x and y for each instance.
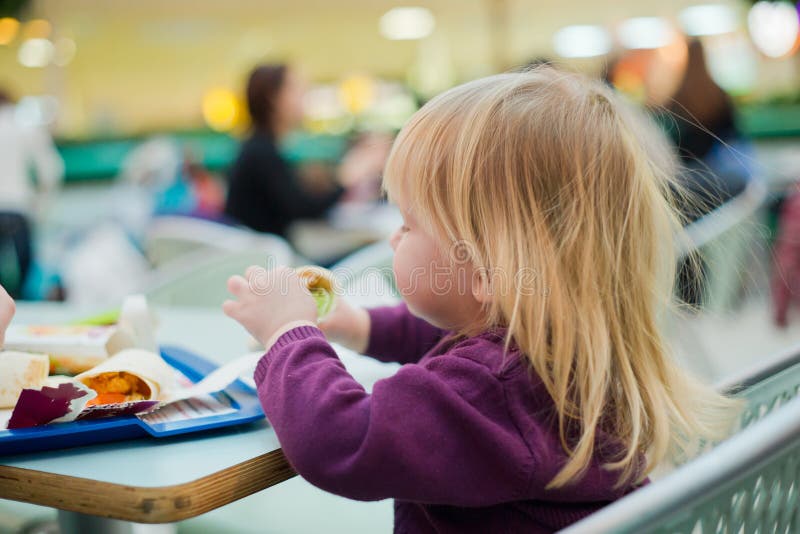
(404, 228)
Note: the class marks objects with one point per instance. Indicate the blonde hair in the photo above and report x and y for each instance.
(550, 173)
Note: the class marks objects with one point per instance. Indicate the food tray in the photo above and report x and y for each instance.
(237, 404)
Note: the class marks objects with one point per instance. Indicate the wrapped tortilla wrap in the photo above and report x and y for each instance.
(18, 371)
(321, 284)
(130, 375)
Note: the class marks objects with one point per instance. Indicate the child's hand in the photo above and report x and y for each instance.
(266, 301)
(7, 308)
(347, 325)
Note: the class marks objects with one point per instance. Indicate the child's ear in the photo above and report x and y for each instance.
(481, 286)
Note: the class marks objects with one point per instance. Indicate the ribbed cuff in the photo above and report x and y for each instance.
(295, 334)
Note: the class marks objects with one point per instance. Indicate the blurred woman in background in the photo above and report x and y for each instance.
(22, 147)
(265, 193)
(700, 120)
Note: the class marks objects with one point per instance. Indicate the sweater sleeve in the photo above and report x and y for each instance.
(395, 335)
(437, 433)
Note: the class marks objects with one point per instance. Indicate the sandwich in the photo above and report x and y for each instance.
(128, 376)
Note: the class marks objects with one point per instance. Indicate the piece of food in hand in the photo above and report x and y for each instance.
(18, 371)
(72, 348)
(321, 284)
(130, 375)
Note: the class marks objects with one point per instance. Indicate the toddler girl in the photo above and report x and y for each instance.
(535, 258)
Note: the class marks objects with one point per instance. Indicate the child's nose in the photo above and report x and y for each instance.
(394, 239)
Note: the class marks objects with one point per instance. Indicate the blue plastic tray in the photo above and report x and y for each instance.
(63, 435)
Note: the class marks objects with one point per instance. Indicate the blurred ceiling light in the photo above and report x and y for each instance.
(645, 33)
(405, 23)
(221, 109)
(37, 29)
(36, 110)
(581, 41)
(35, 53)
(708, 19)
(8, 29)
(64, 53)
(773, 27)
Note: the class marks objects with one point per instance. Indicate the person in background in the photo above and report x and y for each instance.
(208, 193)
(785, 283)
(536, 254)
(265, 193)
(700, 120)
(703, 110)
(7, 309)
(22, 148)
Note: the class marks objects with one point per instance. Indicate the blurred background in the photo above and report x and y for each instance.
(133, 138)
(146, 102)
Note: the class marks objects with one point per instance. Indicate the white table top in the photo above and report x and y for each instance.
(163, 462)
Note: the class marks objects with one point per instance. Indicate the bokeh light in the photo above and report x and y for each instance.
(582, 40)
(774, 27)
(357, 93)
(8, 29)
(35, 53)
(64, 52)
(37, 29)
(733, 63)
(221, 109)
(406, 23)
(708, 19)
(645, 33)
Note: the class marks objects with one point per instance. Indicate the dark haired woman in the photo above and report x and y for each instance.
(265, 194)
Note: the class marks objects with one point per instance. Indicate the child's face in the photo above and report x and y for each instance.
(435, 285)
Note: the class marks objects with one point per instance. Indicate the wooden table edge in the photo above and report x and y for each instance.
(165, 504)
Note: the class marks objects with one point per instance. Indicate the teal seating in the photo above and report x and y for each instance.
(101, 159)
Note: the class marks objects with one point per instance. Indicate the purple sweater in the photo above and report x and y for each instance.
(463, 438)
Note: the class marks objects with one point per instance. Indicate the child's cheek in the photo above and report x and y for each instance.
(406, 273)
(413, 272)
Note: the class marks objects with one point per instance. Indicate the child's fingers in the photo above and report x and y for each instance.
(259, 279)
(237, 285)
(230, 308)
(254, 271)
